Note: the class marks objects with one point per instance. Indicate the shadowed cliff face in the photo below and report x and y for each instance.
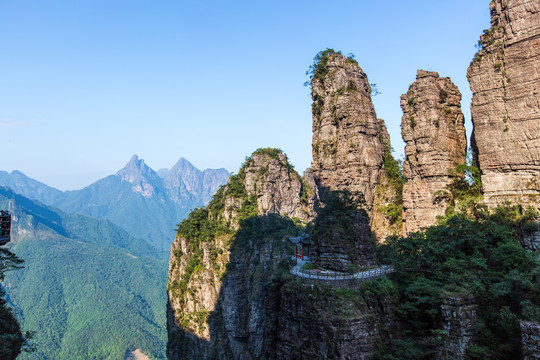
(433, 130)
(505, 109)
(348, 140)
(342, 238)
(230, 293)
(229, 312)
(257, 309)
(225, 257)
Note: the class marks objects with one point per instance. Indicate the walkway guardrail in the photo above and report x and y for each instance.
(333, 275)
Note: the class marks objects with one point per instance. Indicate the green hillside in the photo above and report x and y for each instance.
(89, 290)
(152, 218)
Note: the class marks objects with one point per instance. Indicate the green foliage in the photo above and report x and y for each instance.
(318, 70)
(263, 228)
(374, 89)
(76, 271)
(443, 95)
(477, 260)
(271, 152)
(11, 338)
(394, 172)
(309, 266)
(8, 261)
(317, 106)
(412, 122)
(351, 86)
(198, 226)
(464, 193)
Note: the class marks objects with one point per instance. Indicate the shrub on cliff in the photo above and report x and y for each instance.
(480, 260)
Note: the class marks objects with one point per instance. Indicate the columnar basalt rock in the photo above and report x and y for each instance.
(347, 140)
(505, 109)
(433, 130)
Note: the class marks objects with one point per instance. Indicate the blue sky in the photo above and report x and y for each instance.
(86, 84)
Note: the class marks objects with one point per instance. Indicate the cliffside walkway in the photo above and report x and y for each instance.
(320, 274)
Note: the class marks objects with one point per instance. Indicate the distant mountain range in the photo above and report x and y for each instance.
(146, 203)
(89, 290)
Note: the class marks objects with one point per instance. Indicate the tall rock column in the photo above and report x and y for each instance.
(433, 130)
(505, 81)
(347, 138)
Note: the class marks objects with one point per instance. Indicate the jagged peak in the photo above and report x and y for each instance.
(181, 166)
(134, 169)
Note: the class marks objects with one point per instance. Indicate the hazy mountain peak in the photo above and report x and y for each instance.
(183, 178)
(135, 169)
(182, 165)
(185, 181)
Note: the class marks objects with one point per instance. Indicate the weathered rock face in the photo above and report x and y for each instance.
(220, 285)
(225, 312)
(530, 340)
(271, 182)
(531, 238)
(505, 109)
(231, 295)
(347, 140)
(459, 320)
(279, 189)
(433, 130)
(318, 322)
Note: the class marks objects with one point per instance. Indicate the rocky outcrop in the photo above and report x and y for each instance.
(267, 179)
(230, 292)
(278, 187)
(225, 309)
(459, 320)
(531, 237)
(434, 133)
(530, 340)
(319, 322)
(347, 142)
(220, 280)
(505, 109)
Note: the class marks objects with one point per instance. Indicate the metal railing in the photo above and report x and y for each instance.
(333, 275)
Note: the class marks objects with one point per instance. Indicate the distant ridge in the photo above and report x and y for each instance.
(85, 286)
(137, 198)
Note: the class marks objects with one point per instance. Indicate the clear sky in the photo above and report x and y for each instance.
(84, 85)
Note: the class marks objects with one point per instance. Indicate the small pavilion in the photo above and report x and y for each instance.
(5, 227)
(302, 244)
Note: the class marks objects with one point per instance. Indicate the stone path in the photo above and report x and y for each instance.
(333, 275)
